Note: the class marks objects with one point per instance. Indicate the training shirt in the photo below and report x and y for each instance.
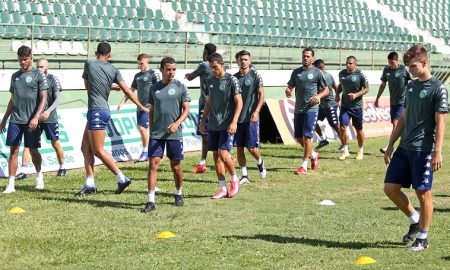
(423, 100)
(142, 82)
(25, 88)
(204, 72)
(328, 101)
(222, 92)
(307, 82)
(53, 87)
(100, 75)
(167, 101)
(397, 81)
(352, 83)
(249, 83)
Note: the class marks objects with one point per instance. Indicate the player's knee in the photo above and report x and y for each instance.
(390, 190)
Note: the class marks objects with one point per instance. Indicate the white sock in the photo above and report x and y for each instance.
(144, 149)
(361, 149)
(422, 234)
(11, 181)
(90, 181)
(346, 147)
(202, 161)
(305, 163)
(178, 191)
(62, 166)
(39, 176)
(223, 184)
(413, 217)
(234, 177)
(259, 160)
(120, 177)
(313, 154)
(244, 170)
(151, 196)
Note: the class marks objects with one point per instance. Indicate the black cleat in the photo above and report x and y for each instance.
(382, 150)
(411, 234)
(150, 206)
(21, 176)
(61, 172)
(179, 200)
(122, 186)
(419, 245)
(322, 144)
(86, 190)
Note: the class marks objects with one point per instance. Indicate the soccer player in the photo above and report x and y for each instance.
(310, 87)
(398, 77)
(204, 72)
(421, 127)
(49, 118)
(223, 107)
(98, 76)
(247, 133)
(28, 99)
(142, 82)
(353, 85)
(169, 107)
(328, 106)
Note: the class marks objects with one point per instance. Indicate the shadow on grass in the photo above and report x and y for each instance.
(442, 195)
(446, 258)
(96, 203)
(318, 242)
(436, 209)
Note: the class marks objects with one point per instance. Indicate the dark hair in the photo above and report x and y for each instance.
(417, 51)
(351, 57)
(308, 49)
(393, 56)
(210, 48)
(167, 60)
(215, 57)
(142, 56)
(24, 51)
(318, 62)
(241, 53)
(103, 48)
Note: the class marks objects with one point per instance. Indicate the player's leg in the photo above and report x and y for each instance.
(13, 140)
(239, 143)
(142, 121)
(175, 154)
(32, 140)
(344, 120)
(357, 121)
(89, 186)
(299, 122)
(333, 119)
(213, 145)
(26, 157)
(252, 144)
(224, 147)
(154, 162)
(201, 166)
(52, 133)
(323, 141)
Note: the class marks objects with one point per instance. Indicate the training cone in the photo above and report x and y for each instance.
(16, 210)
(327, 203)
(164, 235)
(365, 260)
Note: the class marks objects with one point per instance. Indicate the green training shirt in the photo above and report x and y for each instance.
(249, 83)
(307, 82)
(53, 87)
(397, 80)
(142, 82)
(352, 83)
(204, 72)
(328, 101)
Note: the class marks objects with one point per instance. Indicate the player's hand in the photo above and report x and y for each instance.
(119, 107)
(376, 103)
(254, 118)
(201, 127)
(44, 116)
(2, 127)
(172, 128)
(33, 123)
(115, 86)
(436, 160)
(314, 100)
(351, 96)
(232, 128)
(288, 92)
(388, 154)
(144, 109)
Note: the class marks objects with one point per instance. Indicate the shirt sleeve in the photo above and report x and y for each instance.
(407, 75)
(364, 81)
(185, 97)
(235, 86)
(321, 82)
(85, 71)
(156, 77)
(11, 87)
(134, 83)
(118, 76)
(201, 69)
(383, 75)
(291, 81)
(441, 99)
(151, 99)
(42, 81)
(259, 80)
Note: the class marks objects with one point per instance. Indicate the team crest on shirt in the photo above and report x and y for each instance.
(171, 92)
(310, 76)
(222, 87)
(397, 74)
(423, 93)
(248, 82)
(353, 79)
(28, 79)
(145, 78)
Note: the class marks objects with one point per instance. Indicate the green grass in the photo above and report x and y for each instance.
(276, 223)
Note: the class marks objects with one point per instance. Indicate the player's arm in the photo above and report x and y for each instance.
(174, 127)
(255, 115)
(380, 92)
(49, 110)
(440, 118)
(394, 137)
(86, 84)
(42, 103)
(237, 112)
(127, 91)
(337, 98)
(194, 74)
(123, 101)
(205, 114)
(7, 114)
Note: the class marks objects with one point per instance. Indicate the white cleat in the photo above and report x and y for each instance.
(9, 189)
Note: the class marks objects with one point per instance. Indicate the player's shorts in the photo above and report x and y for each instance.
(201, 110)
(98, 119)
(247, 135)
(305, 124)
(410, 168)
(142, 118)
(156, 148)
(32, 139)
(356, 115)
(330, 114)
(396, 111)
(219, 140)
(51, 131)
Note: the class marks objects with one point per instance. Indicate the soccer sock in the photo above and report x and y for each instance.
(90, 181)
(413, 217)
(178, 191)
(223, 184)
(11, 180)
(423, 234)
(151, 196)
(346, 147)
(23, 168)
(305, 163)
(259, 160)
(323, 137)
(62, 166)
(144, 149)
(313, 154)
(244, 171)
(120, 177)
(234, 177)
(361, 149)
(39, 176)
(202, 161)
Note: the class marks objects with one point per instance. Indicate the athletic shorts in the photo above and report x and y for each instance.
(410, 168)
(32, 139)
(142, 118)
(219, 140)
(356, 115)
(396, 111)
(247, 135)
(51, 131)
(201, 109)
(305, 124)
(98, 119)
(330, 114)
(174, 148)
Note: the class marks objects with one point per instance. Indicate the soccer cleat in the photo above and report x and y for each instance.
(412, 232)
(199, 168)
(87, 190)
(383, 150)
(419, 245)
(234, 188)
(360, 155)
(9, 189)
(221, 193)
(301, 170)
(122, 186)
(244, 180)
(344, 155)
(150, 206)
(262, 170)
(143, 157)
(315, 162)
(61, 172)
(322, 144)
(179, 200)
(21, 176)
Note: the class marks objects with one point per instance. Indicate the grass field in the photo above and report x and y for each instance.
(276, 223)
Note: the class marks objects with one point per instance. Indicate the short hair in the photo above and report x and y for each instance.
(103, 48)
(24, 51)
(210, 48)
(318, 62)
(417, 51)
(393, 56)
(242, 53)
(142, 56)
(167, 60)
(42, 60)
(308, 49)
(215, 57)
(351, 57)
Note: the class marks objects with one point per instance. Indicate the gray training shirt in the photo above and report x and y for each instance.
(397, 80)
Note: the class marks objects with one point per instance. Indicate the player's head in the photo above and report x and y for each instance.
(307, 57)
(320, 64)
(42, 65)
(142, 61)
(216, 64)
(416, 58)
(351, 63)
(25, 58)
(103, 50)
(168, 67)
(243, 59)
(393, 60)
(208, 50)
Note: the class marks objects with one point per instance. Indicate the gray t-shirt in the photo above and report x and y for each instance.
(100, 75)
(222, 92)
(53, 87)
(307, 82)
(204, 72)
(167, 101)
(423, 100)
(142, 82)
(25, 88)
(328, 101)
(249, 83)
(352, 83)
(397, 80)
